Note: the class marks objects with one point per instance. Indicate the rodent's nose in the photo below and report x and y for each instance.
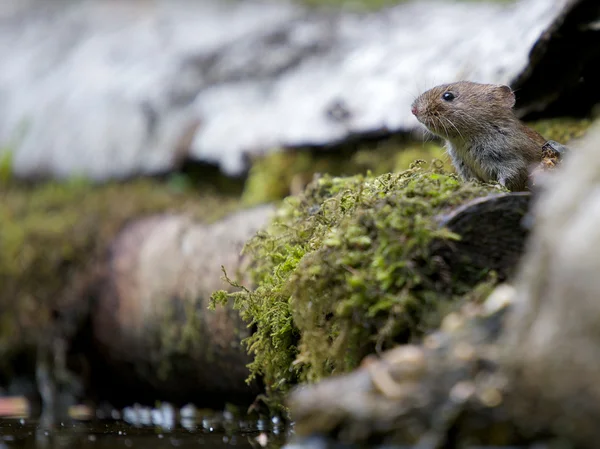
(414, 110)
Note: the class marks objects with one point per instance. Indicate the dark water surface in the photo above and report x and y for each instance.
(23, 433)
(20, 433)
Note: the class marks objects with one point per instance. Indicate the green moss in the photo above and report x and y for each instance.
(345, 268)
(51, 234)
(562, 129)
(271, 177)
(6, 158)
(181, 333)
(284, 173)
(401, 157)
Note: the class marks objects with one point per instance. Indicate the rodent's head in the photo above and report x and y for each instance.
(464, 108)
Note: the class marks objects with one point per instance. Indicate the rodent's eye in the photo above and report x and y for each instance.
(448, 96)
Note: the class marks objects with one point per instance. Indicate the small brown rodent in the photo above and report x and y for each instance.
(484, 138)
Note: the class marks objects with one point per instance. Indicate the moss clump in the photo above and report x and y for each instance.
(279, 174)
(5, 166)
(562, 129)
(402, 160)
(345, 268)
(272, 177)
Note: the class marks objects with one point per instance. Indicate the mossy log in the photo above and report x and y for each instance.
(151, 324)
(519, 368)
(444, 392)
(356, 265)
(66, 250)
(53, 236)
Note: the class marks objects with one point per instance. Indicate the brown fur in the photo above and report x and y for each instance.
(484, 138)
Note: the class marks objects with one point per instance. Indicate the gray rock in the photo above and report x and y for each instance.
(112, 89)
(554, 332)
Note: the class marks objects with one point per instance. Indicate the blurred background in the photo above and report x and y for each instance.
(143, 142)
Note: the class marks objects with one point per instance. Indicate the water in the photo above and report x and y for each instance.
(22, 434)
(144, 427)
(161, 428)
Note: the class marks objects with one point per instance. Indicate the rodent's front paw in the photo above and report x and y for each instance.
(501, 183)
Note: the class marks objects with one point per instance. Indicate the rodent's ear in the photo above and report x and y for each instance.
(506, 95)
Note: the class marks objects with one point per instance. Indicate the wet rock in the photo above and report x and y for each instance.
(553, 342)
(446, 390)
(135, 88)
(492, 231)
(562, 75)
(151, 322)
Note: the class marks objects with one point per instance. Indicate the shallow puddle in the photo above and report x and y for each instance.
(137, 426)
(161, 427)
(22, 433)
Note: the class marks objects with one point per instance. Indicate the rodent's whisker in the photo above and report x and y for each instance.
(429, 136)
(445, 156)
(441, 123)
(409, 92)
(454, 126)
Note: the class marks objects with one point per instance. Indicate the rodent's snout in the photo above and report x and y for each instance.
(414, 109)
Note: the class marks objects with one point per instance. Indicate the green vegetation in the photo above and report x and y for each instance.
(336, 237)
(345, 268)
(280, 174)
(5, 166)
(52, 234)
(562, 129)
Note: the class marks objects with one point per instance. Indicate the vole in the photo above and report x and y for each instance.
(484, 138)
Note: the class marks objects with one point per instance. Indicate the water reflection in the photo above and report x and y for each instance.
(160, 427)
(26, 434)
